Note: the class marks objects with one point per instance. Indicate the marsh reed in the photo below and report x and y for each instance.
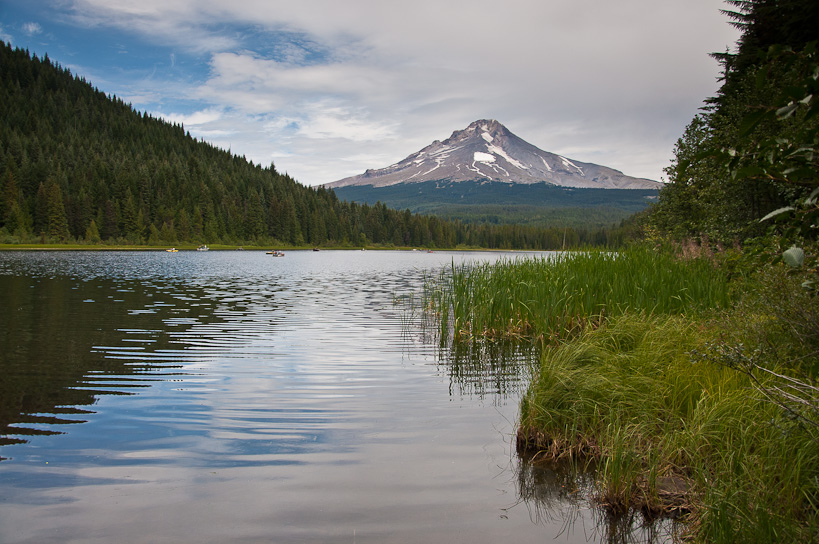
(553, 297)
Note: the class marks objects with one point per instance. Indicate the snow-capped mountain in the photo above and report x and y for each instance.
(487, 151)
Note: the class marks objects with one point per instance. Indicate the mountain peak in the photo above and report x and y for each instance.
(486, 125)
(487, 151)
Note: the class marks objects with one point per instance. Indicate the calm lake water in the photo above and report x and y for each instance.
(230, 396)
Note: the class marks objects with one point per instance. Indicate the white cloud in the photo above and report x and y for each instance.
(140, 100)
(4, 35)
(198, 118)
(32, 28)
(167, 22)
(326, 122)
(332, 88)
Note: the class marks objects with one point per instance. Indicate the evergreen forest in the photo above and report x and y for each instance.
(80, 166)
(485, 201)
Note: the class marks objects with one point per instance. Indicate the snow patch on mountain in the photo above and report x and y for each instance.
(545, 164)
(499, 151)
(569, 164)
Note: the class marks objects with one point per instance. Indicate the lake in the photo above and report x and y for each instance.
(231, 396)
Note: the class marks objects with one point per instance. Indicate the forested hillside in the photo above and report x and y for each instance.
(78, 165)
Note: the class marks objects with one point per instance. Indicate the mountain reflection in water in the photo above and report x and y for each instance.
(227, 396)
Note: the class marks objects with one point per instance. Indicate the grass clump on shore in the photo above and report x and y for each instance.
(671, 433)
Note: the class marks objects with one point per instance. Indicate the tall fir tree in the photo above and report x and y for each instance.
(57, 219)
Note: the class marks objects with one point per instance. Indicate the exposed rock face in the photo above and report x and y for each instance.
(486, 150)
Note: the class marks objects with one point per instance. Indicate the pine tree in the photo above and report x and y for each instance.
(167, 233)
(739, 161)
(9, 197)
(41, 211)
(57, 219)
(154, 237)
(130, 225)
(110, 222)
(92, 233)
(17, 221)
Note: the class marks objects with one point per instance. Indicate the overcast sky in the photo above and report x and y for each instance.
(328, 88)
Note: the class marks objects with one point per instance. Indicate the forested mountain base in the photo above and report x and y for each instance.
(77, 165)
(536, 205)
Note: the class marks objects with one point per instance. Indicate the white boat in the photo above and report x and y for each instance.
(276, 253)
(203, 247)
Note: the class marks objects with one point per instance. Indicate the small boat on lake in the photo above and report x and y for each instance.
(276, 253)
(203, 247)
(172, 250)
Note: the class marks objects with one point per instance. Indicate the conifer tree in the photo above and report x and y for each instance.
(724, 177)
(17, 222)
(154, 237)
(57, 220)
(167, 233)
(41, 211)
(110, 222)
(10, 196)
(92, 233)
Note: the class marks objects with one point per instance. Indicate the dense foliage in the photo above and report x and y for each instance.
(754, 148)
(77, 165)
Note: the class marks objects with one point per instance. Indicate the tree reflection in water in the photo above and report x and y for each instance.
(52, 366)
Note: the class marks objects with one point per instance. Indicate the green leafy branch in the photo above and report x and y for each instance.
(791, 155)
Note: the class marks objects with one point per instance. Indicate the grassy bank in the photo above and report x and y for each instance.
(688, 401)
(675, 434)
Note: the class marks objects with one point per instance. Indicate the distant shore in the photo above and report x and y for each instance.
(228, 247)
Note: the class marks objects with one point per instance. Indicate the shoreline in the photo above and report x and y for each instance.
(78, 247)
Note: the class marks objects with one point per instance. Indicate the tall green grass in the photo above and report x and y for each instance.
(553, 297)
(671, 434)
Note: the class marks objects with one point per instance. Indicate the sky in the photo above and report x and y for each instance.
(325, 89)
